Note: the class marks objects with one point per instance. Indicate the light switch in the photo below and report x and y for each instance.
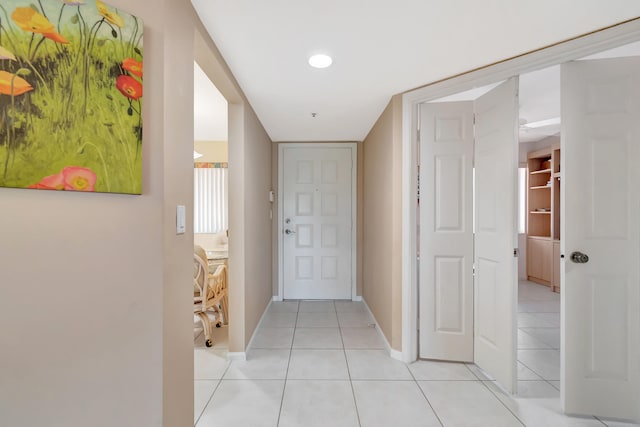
(181, 218)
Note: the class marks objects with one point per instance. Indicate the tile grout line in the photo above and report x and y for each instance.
(533, 313)
(473, 372)
(543, 378)
(212, 394)
(518, 326)
(286, 375)
(549, 382)
(502, 403)
(346, 361)
(208, 401)
(425, 396)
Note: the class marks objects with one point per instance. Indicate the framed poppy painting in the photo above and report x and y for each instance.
(70, 96)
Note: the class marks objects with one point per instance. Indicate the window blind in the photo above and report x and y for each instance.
(210, 200)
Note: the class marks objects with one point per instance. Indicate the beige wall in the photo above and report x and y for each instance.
(249, 223)
(382, 254)
(97, 322)
(257, 237)
(212, 151)
(359, 213)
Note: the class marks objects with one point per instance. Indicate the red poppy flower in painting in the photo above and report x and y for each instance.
(78, 178)
(132, 66)
(74, 178)
(129, 87)
(51, 182)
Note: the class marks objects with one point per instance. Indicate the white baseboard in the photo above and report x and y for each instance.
(258, 327)
(394, 354)
(276, 298)
(237, 355)
(358, 298)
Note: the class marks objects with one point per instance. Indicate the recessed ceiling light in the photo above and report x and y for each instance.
(320, 61)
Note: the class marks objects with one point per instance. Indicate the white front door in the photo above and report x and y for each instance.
(496, 284)
(600, 192)
(446, 231)
(317, 222)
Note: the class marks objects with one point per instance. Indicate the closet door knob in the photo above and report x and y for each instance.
(579, 258)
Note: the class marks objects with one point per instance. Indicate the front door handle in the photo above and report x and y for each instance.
(287, 231)
(579, 258)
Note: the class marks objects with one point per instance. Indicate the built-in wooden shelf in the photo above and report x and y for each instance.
(540, 171)
(543, 226)
(536, 237)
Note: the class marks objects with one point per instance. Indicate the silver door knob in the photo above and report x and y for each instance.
(579, 257)
(287, 231)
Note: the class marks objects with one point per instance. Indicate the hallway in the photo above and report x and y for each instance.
(322, 364)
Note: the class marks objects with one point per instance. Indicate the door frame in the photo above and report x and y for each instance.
(567, 50)
(354, 214)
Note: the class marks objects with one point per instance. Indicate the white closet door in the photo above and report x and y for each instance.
(496, 284)
(446, 231)
(601, 204)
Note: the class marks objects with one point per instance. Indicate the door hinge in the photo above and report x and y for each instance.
(516, 252)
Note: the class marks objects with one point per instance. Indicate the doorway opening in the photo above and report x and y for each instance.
(540, 220)
(540, 311)
(211, 213)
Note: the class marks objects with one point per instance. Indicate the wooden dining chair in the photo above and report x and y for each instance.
(210, 294)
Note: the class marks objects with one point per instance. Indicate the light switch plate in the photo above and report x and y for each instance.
(181, 219)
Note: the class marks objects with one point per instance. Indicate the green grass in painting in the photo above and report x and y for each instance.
(75, 115)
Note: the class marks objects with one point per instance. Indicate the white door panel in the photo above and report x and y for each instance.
(446, 231)
(601, 205)
(496, 168)
(317, 203)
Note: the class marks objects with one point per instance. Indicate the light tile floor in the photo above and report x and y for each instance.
(538, 334)
(305, 370)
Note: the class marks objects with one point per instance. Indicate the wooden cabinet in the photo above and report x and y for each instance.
(539, 257)
(543, 216)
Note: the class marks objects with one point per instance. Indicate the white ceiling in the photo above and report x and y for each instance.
(380, 48)
(210, 109)
(539, 95)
